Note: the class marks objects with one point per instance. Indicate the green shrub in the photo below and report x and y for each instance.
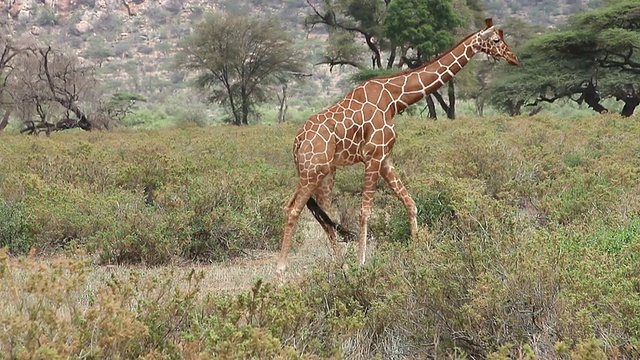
(135, 237)
(434, 211)
(45, 16)
(15, 231)
(148, 118)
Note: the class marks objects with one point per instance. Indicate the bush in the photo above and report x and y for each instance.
(15, 231)
(98, 50)
(45, 16)
(145, 49)
(434, 211)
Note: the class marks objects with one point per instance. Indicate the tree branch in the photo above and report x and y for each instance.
(332, 62)
(627, 64)
(330, 20)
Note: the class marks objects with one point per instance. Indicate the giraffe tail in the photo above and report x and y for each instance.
(326, 221)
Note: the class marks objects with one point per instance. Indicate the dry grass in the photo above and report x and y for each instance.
(232, 277)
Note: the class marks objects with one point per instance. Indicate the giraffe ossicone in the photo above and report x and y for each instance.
(359, 129)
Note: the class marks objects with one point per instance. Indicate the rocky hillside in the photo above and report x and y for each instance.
(132, 40)
(539, 12)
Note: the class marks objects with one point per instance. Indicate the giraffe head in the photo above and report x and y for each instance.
(491, 42)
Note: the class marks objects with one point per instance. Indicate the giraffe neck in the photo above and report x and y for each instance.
(430, 77)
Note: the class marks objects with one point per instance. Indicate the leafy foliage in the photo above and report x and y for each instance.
(367, 74)
(426, 26)
(14, 228)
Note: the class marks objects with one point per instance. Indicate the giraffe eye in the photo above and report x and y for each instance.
(496, 40)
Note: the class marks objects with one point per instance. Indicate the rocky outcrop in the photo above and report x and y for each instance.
(83, 27)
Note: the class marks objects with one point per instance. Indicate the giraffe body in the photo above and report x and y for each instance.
(359, 129)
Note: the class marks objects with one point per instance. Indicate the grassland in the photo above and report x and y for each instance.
(158, 244)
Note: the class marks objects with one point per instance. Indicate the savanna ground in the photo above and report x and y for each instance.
(162, 244)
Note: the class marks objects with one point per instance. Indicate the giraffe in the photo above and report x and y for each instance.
(359, 129)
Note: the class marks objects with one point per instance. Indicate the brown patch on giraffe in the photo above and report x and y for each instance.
(455, 67)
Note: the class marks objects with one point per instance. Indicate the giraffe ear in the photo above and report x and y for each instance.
(499, 31)
(488, 22)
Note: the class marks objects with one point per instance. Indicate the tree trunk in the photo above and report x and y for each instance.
(442, 103)
(450, 108)
(237, 115)
(535, 110)
(282, 111)
(5, 119)
(235, 112)
(479, 102)
(392, 58)
(591, 97)
(83, 121)
(515, 107)
(451, 92)
(630, 104)
(245, 106)
(376, 57)
(432, 107)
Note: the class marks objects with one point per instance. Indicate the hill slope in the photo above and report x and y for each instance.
(132, 41)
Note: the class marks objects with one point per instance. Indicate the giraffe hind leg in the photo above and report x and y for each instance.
(307, 185)
(293, 209)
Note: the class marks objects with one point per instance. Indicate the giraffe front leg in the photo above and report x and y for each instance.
(371, 176)
(389, 175)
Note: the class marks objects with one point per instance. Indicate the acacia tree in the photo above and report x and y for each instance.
(237, 59)
(595, 57)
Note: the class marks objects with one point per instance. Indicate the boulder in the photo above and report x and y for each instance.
(83, 27)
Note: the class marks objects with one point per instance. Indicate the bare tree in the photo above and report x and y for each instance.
(50, 84)
(8, 54)
(65, 79)
(53, 90)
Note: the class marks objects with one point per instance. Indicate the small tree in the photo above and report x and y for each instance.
(237, 59)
